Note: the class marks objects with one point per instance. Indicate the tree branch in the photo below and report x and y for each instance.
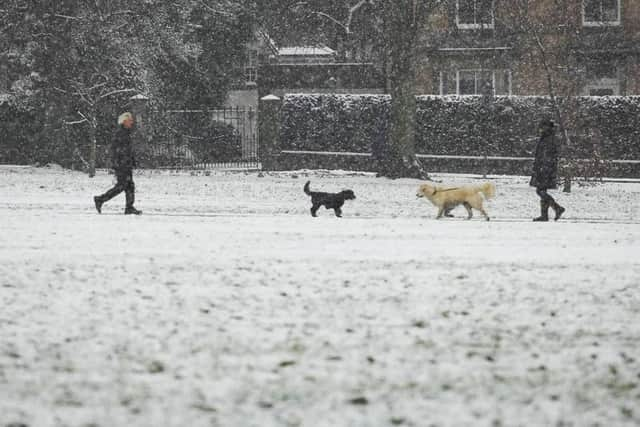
(352, 10)
(211, 9)
(57, 15)
(123, 12)
(114, 92)
(76, 122)
(334, 20)
(96, 86)
(91, 121)
(76, 151)
(81, 93)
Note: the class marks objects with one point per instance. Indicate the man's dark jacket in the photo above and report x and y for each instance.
(545, 164)
(122, 156)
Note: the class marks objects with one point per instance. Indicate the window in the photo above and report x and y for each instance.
(251, 67)
(600, 12)
(475, 82)
(474, 13)
(601, 70)
(595, 91)
(602, 79)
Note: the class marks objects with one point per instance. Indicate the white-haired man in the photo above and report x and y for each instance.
(123, 162)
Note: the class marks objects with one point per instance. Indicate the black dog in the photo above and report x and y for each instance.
(329, 200)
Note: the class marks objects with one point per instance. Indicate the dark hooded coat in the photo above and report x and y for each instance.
(545, 164)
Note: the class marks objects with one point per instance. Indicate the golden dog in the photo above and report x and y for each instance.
(447, 198)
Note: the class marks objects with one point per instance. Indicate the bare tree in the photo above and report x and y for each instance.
(89, 100)
(549, 41)
(400, 23)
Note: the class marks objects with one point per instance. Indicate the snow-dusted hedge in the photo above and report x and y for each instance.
(456, 125)
(473, 126)
(333, 122)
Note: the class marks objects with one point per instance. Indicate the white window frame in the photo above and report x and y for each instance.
(474, 26)
(476, 71)
(612, 83)
(251, 67)
(617, 22)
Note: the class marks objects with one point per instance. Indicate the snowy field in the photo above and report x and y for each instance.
(227, 304)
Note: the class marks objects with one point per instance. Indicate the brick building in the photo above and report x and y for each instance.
(592, 47)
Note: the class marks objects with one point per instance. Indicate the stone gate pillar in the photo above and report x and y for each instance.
(269, 131)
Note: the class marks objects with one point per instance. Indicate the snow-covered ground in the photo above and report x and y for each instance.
(227, 304)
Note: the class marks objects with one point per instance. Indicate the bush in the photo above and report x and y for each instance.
(190, 137)
(220, 143)
(333, 122)
(18, 134)
(467, 125)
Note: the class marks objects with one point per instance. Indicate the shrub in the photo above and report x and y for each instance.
(469, 125)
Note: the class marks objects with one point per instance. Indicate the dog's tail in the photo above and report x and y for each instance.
(488, 189)
(306, 188)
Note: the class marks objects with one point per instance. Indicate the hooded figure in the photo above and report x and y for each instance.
(545, 170)
(122, 162)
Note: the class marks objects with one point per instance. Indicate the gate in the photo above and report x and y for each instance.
(205, 139)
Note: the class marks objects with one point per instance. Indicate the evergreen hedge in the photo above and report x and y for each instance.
(466, 126)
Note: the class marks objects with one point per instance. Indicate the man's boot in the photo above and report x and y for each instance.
(559, 211)
(97, 200)
(130, 210)
(544, 211)
(130, 198)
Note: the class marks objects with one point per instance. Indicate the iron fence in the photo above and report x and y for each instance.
(204, 139)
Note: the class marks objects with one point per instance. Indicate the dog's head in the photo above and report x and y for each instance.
(348, 194)
(426, 190)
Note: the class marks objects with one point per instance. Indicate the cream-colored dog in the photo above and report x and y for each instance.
(447, 198)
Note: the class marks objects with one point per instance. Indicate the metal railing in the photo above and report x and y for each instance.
(206, 139)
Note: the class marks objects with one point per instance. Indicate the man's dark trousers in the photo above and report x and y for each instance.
(124, 183)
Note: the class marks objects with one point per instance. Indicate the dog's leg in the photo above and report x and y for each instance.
(440, 212)
(314, 209)
(447, 211)
(483, 212)
(477, 204)
(467, 206)
(338, 212)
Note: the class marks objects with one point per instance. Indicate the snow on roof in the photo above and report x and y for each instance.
(458, 49)
(306, 51)
(139, 96)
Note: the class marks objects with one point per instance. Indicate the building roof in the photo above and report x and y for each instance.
(306, 51)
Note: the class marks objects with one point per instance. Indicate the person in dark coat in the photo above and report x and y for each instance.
(545, 167)
(123, 162)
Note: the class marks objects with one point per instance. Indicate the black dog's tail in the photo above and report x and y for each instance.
(306, 188)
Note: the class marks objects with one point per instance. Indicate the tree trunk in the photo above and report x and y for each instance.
(92, 147)
(402, 20)
(402, 160)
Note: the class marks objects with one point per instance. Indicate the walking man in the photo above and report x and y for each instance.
(123, 162)
(545, 167)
